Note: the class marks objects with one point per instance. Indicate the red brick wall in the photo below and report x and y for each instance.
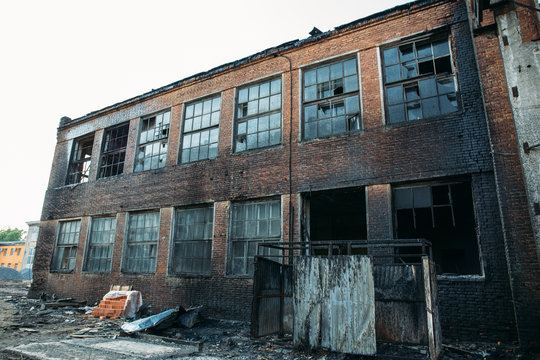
(377, 157)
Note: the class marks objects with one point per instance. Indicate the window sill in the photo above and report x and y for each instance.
(257, 150)
(461, 278)
(194, 162)
(60, 271)
(333, 137)
(186, 276)
(124, 273)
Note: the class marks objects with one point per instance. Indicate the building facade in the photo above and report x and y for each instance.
(375, 130)
(11, 254)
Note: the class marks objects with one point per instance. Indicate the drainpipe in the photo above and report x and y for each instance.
(291, 209)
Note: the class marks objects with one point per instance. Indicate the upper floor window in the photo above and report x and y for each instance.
(79, 165)
(331, 104)
(201, 130)
(114, 151)
(66, 245)
(258, 115)
(100, 244)
(419, 80)
(140, 252)
(153, 140)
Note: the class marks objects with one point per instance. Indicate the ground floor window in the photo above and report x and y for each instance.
(141, 243)
(252, 223)
(66, 245)
(444, 215)
(192, 241)
(100, 244)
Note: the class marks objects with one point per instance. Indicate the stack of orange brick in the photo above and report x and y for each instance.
(110, 307)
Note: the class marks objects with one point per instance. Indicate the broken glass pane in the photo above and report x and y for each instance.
(414, 111)
(442, 65)
(448, 103)
(406, 52)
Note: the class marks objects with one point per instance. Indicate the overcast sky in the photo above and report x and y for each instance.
(67, 58)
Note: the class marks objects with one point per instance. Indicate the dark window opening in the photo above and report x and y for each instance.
(81, 156)
(444, 215)
(337, 215)
(114, 151)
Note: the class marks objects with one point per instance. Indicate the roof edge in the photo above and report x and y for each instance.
(66, 121)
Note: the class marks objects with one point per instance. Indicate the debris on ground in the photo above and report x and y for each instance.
(166, 317)
(26, 330)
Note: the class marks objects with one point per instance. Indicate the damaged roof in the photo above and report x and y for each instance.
(65, 121)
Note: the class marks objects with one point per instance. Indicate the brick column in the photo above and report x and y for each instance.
(379, 217)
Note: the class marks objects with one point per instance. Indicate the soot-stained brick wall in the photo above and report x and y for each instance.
(378, 157)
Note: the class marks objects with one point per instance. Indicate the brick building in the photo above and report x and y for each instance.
(375, 130)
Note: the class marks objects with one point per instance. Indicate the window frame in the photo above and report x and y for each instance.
(451, 200)
(414, 81)
(75, 245)
(101, 244)
(210, 128)
(238, 121)
(157, 140)
(332, 100)
(125, 253)
(120, 152)
(173, 241)
(75, 162)
(232, 238)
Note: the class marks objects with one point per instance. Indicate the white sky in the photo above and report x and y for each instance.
(72, 57)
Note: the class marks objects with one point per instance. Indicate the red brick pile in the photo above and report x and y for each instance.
(110, 307)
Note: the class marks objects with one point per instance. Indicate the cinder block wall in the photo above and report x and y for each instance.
(455, 146)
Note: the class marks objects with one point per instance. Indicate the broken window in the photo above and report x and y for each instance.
(114, 151)
(66, 245)
(258, 115)
(141, 243)
(331, 103)
(201, 130)
(153, 141)
(81, 155)
(252, 223)
(100, 244)
(419, 81)
(444, 215)
(192, 241)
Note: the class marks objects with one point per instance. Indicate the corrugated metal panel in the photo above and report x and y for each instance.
(334, 304)
(272, 301)
(399, 303)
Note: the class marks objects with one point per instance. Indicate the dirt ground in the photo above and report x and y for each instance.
(24, 321)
